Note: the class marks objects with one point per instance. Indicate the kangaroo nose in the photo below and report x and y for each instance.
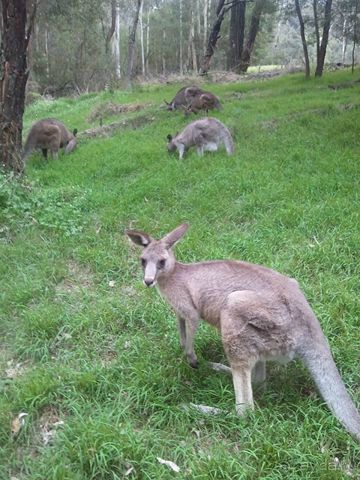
(148, 282)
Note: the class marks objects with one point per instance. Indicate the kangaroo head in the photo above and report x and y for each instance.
(170, 106)
(157, 258)
(171, 147)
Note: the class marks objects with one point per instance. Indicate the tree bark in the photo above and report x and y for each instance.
(116, 42)
(181, 40)
(214, 36)
(316, 26)
(147, 41)
(142, 38)
(236, 34)
(13, 78)
(355, 37)
(253, 30)
(324, 40)
(344, 40)
(303, 39)
(112, 26)
(131, 45)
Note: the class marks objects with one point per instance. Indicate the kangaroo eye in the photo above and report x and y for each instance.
(161, 263)
(143, 262)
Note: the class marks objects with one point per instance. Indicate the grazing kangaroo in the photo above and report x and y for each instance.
(206, 134)
(261, 315)
(183, 97)
(204, 101)
(49, 134)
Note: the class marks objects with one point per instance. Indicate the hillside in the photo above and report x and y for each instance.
(86, 344)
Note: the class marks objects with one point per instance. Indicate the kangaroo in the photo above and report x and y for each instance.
(204, 101)
(49, 134)
(206, 134)
(183, 97)
(261, 315)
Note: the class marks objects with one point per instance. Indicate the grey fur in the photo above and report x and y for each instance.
(261, 315)
(49, 134)
(206, 134)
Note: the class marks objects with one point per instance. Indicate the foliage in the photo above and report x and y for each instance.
(68, 49)
(100, 352)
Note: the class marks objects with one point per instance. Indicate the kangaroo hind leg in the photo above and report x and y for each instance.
(252, 326)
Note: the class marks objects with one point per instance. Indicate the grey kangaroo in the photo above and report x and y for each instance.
(261, 315)
(206, 134)
(49, 134)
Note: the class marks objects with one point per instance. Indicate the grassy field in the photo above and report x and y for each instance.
(93, 358)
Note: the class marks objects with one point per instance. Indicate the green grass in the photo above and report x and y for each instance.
(106, 360)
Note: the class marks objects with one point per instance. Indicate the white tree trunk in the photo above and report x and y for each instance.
(46, 46)
(116, 42)
(147, 41)
(163, 52)
(344, 40)
(142, 38)
(206, 19)
(181, 41)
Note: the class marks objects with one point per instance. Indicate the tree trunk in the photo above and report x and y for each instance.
(131, 45)
(355, 37)
(324, 40)
(205, 15)
(214, 36)
(142, 38)
(316, 26)
(303, 39)
(147, 41)
(191, 56)
(112, 26)
(163, 52)
(116, 42)
(344, 40)
(181, 40)
(13, 78)
(236, 34)
(253, 30)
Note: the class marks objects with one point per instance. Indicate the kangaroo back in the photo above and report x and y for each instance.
(49, 134)
(331, 387)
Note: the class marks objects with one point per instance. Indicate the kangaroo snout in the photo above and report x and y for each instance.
(149, 282)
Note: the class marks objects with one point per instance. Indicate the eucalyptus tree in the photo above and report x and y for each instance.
(17, 18)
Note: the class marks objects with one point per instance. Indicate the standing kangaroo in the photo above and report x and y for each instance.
(49, 134)
(261, 315)
(206, 134)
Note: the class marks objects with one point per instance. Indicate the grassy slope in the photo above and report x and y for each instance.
(106, 360)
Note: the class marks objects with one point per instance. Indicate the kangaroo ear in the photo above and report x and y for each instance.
(169, 137)
(174, 236)
(140, 238)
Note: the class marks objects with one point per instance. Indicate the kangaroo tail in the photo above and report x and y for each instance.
(28, 148)
(228, 142)
(327, 378)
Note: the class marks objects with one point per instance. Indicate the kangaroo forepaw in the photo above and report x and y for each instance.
(194, 363)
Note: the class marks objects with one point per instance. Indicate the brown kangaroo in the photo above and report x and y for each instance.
(49, 134)
(261, 315)
(204, 101)
(183, 97)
